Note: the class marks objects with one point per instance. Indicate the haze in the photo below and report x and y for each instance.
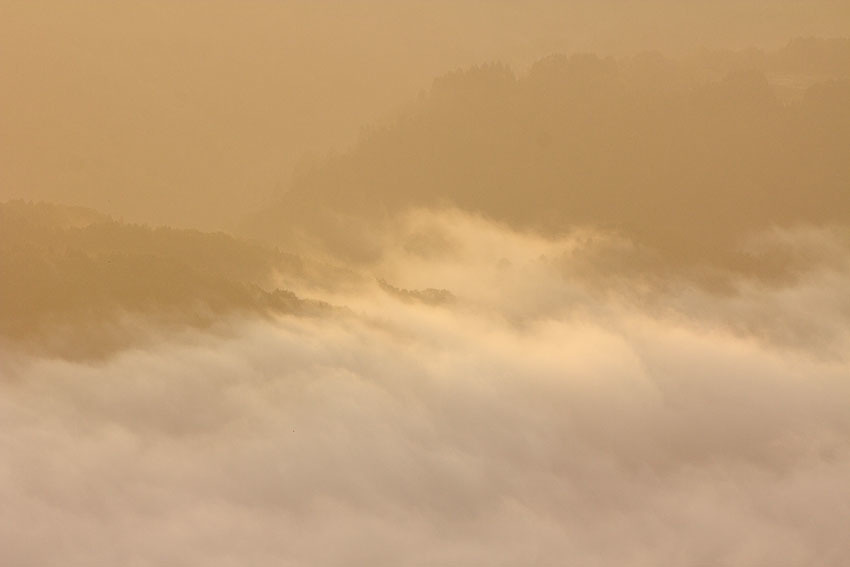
(424, 283)
(192, 113)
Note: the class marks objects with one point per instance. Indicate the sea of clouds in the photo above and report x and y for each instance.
(555, 409)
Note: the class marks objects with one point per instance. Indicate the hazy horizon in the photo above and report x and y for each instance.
(149, 103)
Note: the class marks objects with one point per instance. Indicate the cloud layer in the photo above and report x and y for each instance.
(544, 416)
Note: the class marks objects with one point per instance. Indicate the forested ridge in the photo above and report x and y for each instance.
(687, 156)
(75, 268)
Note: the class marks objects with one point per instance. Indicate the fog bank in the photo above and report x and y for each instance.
(544, 415)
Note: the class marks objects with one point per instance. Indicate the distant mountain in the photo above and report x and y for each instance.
(648, 147)
(72, 269)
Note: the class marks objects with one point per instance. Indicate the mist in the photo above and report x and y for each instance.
(320, 283)
(538, 416)
(196, 113)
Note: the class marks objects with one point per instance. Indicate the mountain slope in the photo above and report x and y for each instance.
(70, 274)
(687, 165)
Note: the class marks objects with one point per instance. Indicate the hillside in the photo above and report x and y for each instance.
(649, 147)
(71, 275)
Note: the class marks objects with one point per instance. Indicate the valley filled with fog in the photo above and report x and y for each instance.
(542, 409)
(569, 300)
